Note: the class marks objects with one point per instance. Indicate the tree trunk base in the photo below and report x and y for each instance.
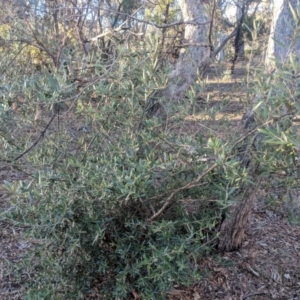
(232, 232)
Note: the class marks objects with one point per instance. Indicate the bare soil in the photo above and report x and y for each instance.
(266, 267)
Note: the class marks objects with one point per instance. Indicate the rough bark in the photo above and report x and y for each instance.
(233, 228)
(283, 39)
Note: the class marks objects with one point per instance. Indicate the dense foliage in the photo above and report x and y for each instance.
(99, 178)
(116, 202)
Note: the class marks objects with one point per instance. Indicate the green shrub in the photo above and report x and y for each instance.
(115, 202)
(94, 219)
(92, 201)
(116, 207)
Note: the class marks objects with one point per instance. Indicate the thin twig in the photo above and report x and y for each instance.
(3, 71)
(192, 22)
(162, 194)
(182, 160)
(194, 45)
(260, 126)
(187, 186)
(38, 139)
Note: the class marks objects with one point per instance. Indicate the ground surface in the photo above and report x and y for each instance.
(266, 267)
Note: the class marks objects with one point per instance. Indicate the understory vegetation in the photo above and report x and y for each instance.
(122, 203)
(117, 203)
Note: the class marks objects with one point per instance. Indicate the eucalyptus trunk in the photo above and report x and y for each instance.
(194, 55)
(284, 36)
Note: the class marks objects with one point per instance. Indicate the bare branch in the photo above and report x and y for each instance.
(224, 42)
(170, 199)
(192, 22)
(37, 140)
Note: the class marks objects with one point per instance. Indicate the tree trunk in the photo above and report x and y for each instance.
(193, 57)
(196, 55)
(284, 38)
(241, 13)
(239, 44)
(232, 232)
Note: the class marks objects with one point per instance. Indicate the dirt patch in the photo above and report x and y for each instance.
(266, 266)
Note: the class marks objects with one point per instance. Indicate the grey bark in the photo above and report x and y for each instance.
(284, 38)
(220, 56)
(193, 58)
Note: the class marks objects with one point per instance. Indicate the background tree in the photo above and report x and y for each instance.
(194, 55)
(284, 37)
